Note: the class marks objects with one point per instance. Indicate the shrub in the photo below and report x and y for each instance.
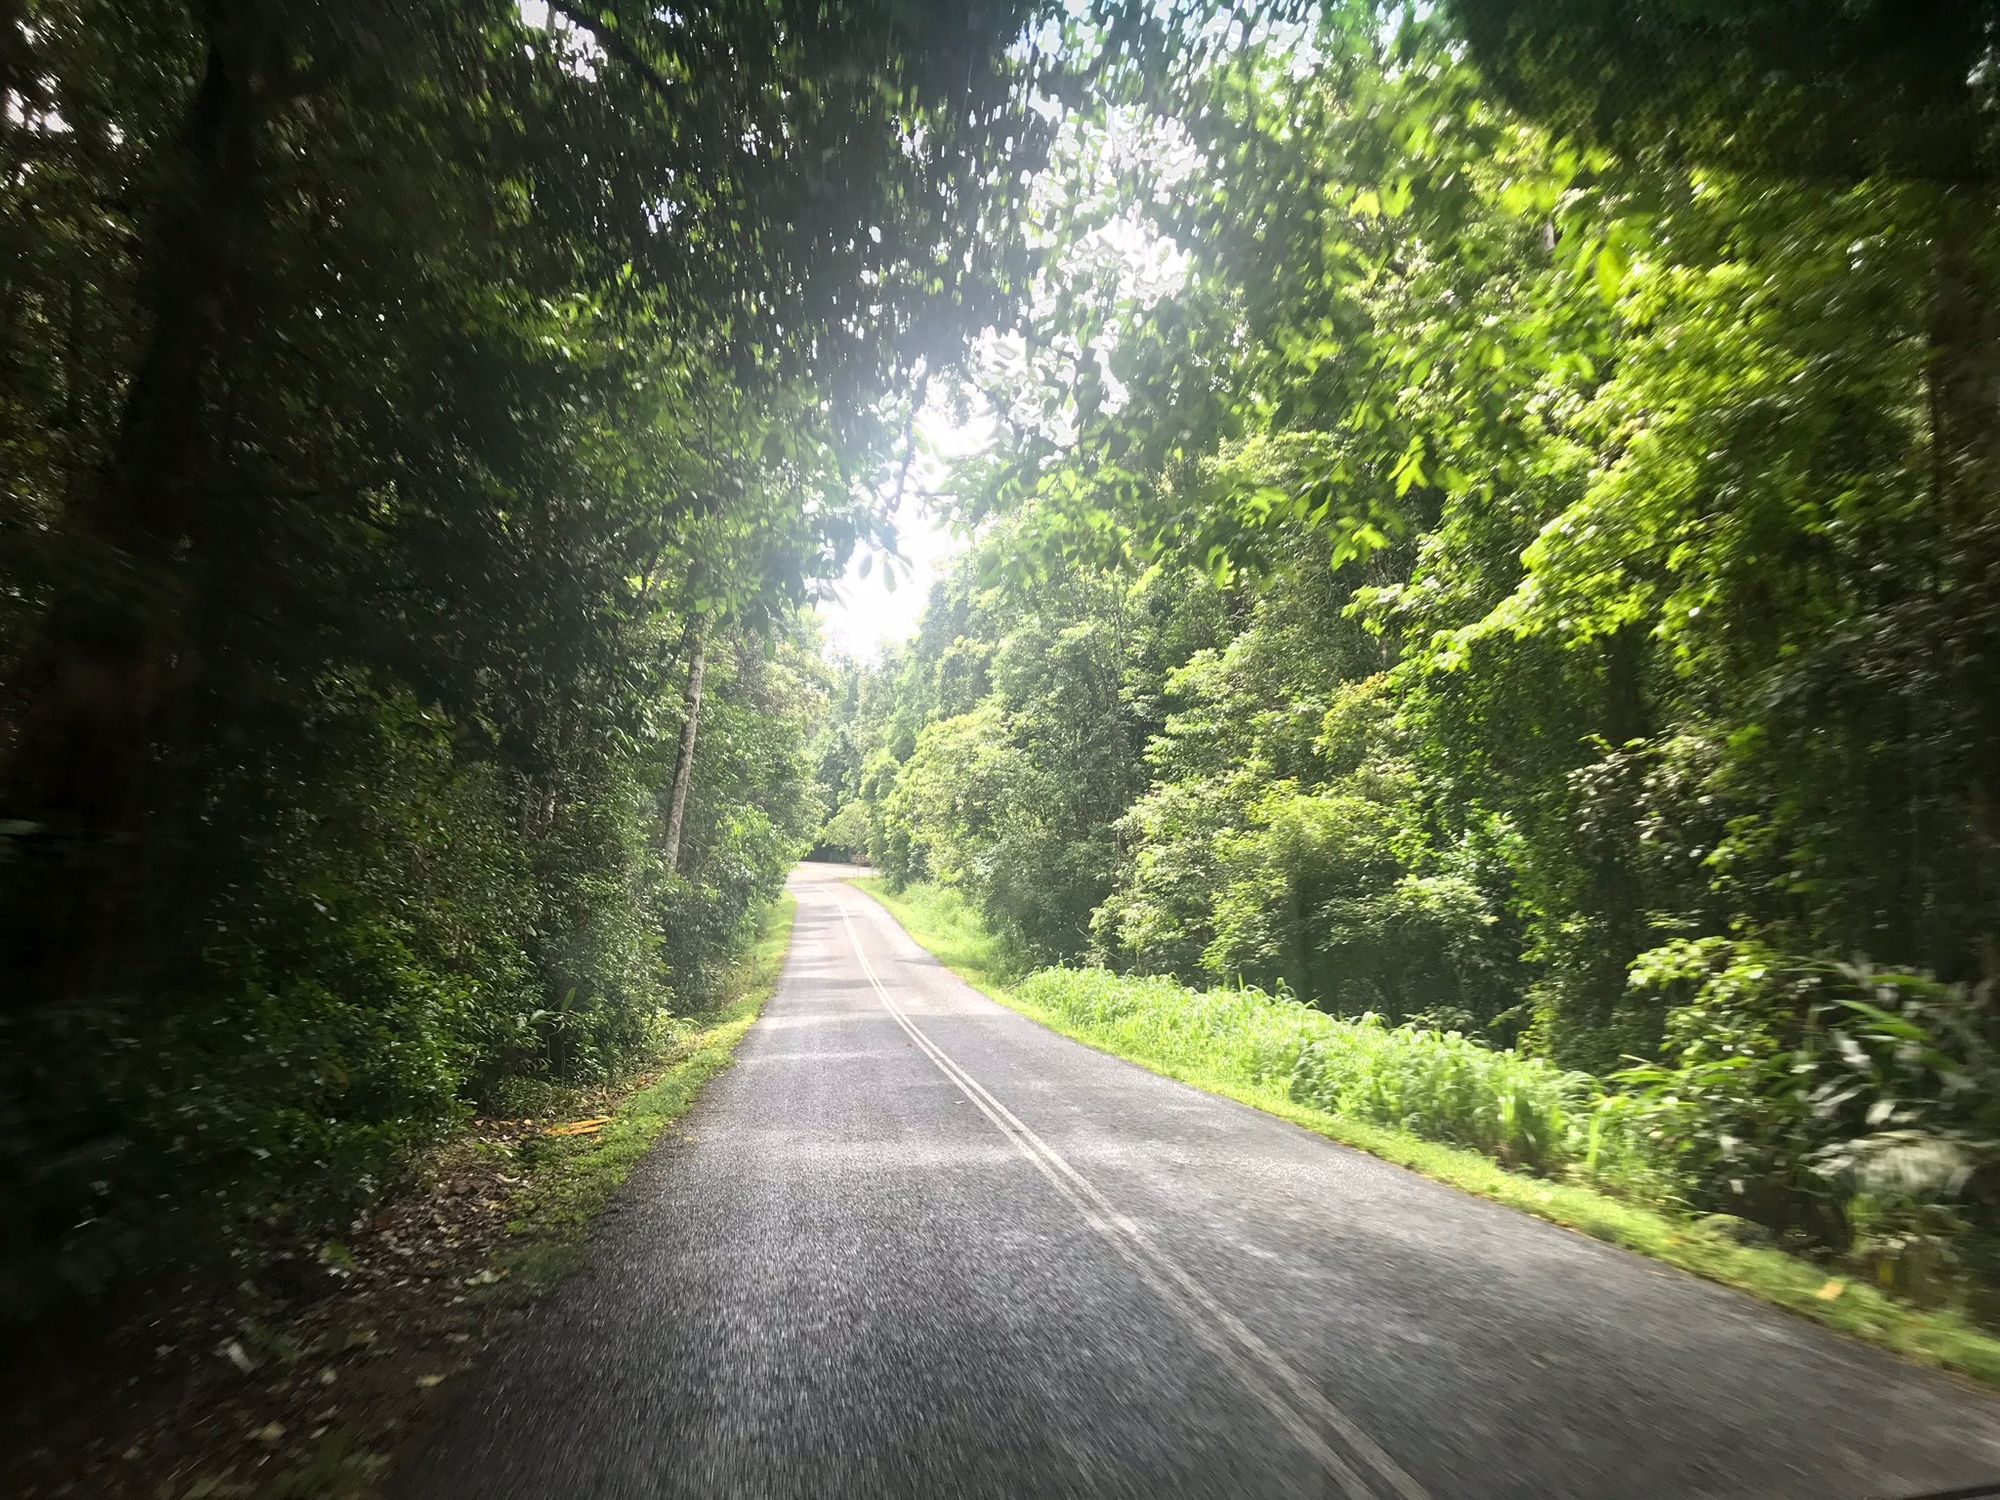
(1445, 1087)
(1851, 1107)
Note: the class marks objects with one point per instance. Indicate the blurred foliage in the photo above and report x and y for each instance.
(395, 400)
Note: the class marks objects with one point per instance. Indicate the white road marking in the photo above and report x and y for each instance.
(1262, 1370)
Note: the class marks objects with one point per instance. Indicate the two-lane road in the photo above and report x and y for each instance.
(913, 1244)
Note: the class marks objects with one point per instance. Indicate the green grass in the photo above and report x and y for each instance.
(945, 923)
(571, 1179)
(1440, 1086)
(1244, 1046)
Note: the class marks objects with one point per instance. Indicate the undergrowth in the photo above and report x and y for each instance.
(572, 1178)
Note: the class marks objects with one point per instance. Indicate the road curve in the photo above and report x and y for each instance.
(913, 1244)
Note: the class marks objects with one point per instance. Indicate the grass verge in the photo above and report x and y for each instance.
(951, 930)
(571, 1179)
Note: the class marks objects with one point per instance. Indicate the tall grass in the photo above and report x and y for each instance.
(1243, 1033)
(1521, 1111)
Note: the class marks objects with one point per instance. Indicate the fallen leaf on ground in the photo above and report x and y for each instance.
(1831, 1290)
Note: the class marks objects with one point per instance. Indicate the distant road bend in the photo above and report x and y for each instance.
(913, 1244)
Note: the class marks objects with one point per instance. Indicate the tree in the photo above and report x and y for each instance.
(1582, 417)
(387, 388)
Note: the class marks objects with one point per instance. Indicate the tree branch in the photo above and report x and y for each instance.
(606, 34)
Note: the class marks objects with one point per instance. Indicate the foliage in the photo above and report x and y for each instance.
(992, 747)
(572, 1179)
(844, 835)
(1528, 478)
(1489, 525)
(413, 418)
(1438, 1085)
(1819, 1098)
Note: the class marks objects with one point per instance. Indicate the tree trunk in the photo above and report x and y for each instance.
(114, 643)
(1959, 541)
(690, 722)
(1963, 374)
(104, 656)
(1619, 888)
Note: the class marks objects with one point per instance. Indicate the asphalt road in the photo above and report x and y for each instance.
(913, 1244)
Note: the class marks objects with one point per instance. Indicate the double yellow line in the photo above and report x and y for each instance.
(1298, 1405)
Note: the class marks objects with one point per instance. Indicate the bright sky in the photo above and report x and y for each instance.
(867, 614)
(878, 603)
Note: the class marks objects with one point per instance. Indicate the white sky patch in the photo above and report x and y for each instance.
(581, 52)
(873, 610)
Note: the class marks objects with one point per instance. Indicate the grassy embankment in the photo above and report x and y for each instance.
(571, 1179)
(1384, 1092)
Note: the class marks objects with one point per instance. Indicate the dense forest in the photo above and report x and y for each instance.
(1490, 526)
(1501, 539)
(420, 426)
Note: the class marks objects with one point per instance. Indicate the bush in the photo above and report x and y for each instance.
(346, 990)
(1521, 1111)
(1850, 1108)
(377, 933)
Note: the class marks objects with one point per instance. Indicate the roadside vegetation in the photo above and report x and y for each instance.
(1488, 1121)
(1489, 532)
(1487, 538)
(422, 427)
(308, 1385)
(570, 1178)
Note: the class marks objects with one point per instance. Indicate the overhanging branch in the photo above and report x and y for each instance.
(607, 35)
